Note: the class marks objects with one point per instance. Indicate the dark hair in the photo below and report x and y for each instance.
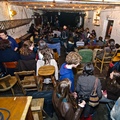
(88, 69)
(3, 31)
(4, 44)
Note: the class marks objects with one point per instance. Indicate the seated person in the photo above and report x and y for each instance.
(13, 43)
(7, 54)
(46, 57)
(70, 45)
(26, 51)
(109, 48)
(73, 59)
(63, 103)
(111, 90)
(80, 43)
(42, 49)
(84, 89)
(100, 42)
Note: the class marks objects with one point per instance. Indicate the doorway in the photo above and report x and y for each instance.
(109, 28)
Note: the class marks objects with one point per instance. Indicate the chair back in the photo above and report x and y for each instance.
(27, 80)
(10, 64)
(106, 58)
(87, 55)
(7, 82)
(10, 67)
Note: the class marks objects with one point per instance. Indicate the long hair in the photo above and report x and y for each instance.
(4, 44)
(63, 90)
(25, 49)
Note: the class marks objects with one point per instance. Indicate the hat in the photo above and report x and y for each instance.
(116, 58)
(42, 44)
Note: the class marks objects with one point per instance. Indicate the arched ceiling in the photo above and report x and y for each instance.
(66, 5)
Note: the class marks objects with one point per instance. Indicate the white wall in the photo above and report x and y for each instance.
(105, 15)
(22, 13)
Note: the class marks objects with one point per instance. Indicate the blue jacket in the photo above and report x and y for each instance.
(12, 42)
(67, 73)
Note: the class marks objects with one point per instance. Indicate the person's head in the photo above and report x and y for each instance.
(64, 27)
(27, 47)
(88, 69)
(4, 44)
(42, 44)
(63, 88)
(47, 57)
(3, 34)
(73, 58)
(100, 38)
(117, 45)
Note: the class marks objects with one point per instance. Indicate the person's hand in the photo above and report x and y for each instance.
(74, 94)
(111, 75)
(15, 48)
(82, 104)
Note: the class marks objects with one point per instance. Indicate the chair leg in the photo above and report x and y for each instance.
(53, 80)
(101, 67)
(12, 91)
(41, 83)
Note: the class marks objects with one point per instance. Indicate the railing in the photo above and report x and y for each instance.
(9, 24)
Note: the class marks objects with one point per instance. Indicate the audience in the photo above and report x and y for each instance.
(84, 89)
(45, 57)
(63, 103)
(26, 51)
(7, 54)
(73, 59)
(4, 36)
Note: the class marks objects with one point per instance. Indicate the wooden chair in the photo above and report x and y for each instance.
(46, 71)
(106, 59)
(10, 65)
(87, 57)
(27, 80)
(7, 83)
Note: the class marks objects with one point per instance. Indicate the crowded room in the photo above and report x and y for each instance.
(59, 60)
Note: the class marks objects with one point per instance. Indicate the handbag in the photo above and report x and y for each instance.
(94, 99)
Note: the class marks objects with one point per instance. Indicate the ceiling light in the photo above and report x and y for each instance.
(35, 7)
(26, 6)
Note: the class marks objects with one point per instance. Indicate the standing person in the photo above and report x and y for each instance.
(73, 59)
(13, 43)
(63, 103)
(84, 89)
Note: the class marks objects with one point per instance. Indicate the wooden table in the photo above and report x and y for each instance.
(19, 107)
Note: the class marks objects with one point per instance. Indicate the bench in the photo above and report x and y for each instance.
(37, 107)
(25, 37)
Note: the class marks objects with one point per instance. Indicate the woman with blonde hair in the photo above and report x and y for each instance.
(73, 59)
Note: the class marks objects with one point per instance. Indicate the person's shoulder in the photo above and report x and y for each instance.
(10, 38)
